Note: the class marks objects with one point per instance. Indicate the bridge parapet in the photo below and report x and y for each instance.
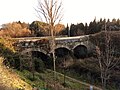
(43, 43)
(32, 44)
(71, 42)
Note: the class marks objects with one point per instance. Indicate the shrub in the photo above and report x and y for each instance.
(39, 65)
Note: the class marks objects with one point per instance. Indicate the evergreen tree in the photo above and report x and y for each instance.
(86, 28)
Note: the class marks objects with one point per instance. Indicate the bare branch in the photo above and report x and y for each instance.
(51, 12)
(106, 57)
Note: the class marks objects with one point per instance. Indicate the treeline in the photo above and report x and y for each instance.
(15, 29)
(39, 29)
(42, 29)
(92, 28)
(22, 29)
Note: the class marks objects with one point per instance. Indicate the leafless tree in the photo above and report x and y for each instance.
(50, 11)
(107, 59)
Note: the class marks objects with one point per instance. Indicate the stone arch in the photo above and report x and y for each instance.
(65, 58)
(62, 51)
(79, 44)
(80, 51)
(40, 55)
(62, 46)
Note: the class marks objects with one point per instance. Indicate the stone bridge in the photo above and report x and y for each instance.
(78, 46)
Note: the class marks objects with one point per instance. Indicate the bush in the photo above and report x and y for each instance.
(39, 65)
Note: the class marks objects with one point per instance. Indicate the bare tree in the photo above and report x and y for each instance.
(50, 11)
(106, 57)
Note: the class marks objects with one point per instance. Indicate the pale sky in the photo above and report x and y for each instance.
(75, 11)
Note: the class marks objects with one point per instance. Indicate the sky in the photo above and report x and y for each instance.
(75, 11)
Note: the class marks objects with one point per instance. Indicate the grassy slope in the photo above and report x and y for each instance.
(46, 80)
(9, 80)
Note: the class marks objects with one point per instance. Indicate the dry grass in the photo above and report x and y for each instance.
(9, 80)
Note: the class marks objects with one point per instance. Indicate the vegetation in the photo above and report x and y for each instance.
(107, 55)
(92, 28)
(39, 28)
(45, 80)
(51, 12)
(9, 80)
(81, 69)
(15, 29)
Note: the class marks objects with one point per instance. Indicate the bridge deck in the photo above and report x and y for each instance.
(68, 38)
(49, 37)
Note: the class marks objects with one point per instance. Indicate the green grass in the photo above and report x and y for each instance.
(28, 77)
(42, 79)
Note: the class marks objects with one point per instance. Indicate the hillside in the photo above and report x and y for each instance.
(9, 80)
